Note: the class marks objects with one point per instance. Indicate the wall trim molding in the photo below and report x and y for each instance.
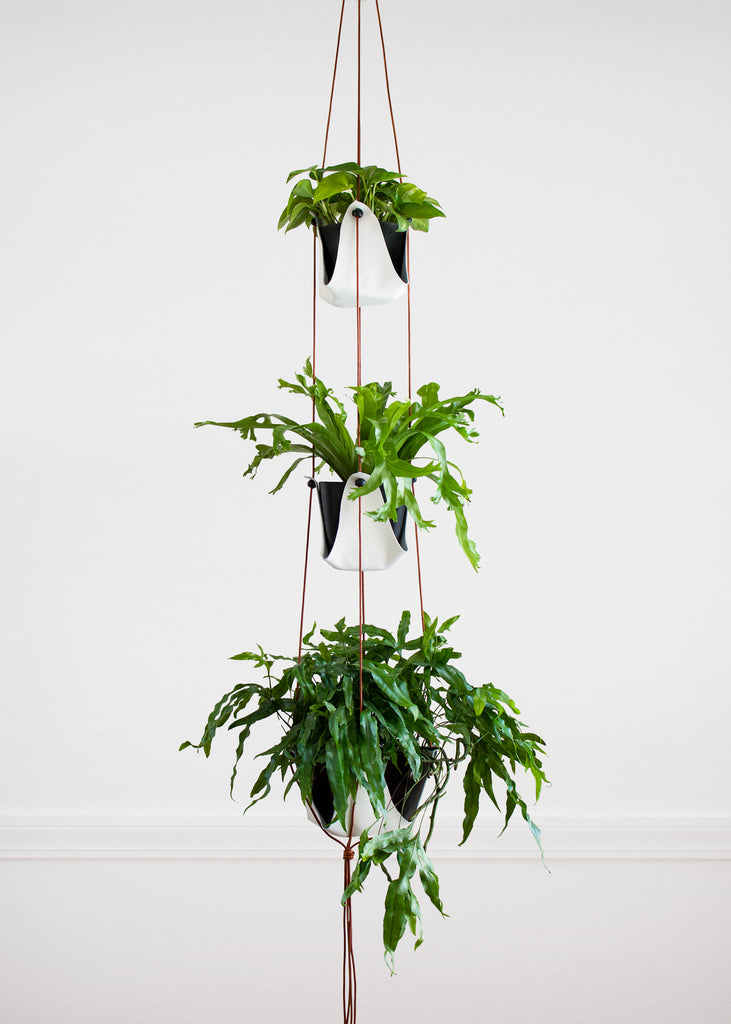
(288, 837)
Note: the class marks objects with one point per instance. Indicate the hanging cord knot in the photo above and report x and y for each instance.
(349, 979)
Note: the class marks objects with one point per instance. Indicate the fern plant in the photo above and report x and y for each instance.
(418, 710)
(394, 435)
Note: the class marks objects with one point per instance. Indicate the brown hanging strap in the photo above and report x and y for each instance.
(359, 380)
(349, 972)
(350, 984)
(332, 87)
(388, 86)
(314, 338)
(312, 477)
(409, 293)
(409, 360)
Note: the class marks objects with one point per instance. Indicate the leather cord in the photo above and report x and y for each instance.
(349, 971)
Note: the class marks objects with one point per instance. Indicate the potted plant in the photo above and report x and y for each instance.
(399, 442)
(416, 717)
(331, 200)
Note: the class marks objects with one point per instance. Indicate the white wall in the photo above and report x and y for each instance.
(581, 151)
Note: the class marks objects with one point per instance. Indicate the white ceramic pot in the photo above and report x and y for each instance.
(383, 543)
(363, 819)
(403, 799)
(381, 260)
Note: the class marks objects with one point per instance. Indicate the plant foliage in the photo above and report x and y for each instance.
(418, 710)
(393, 435)
(323, 196)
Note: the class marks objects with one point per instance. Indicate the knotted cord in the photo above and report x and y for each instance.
(350, 984)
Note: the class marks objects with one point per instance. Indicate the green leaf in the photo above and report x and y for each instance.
(403, 627)
(243, 735)
(339, 782)
(350, 168)
(388, 682)
(422, 211)
(304, 189)
(300, 214)
(296, 174)
(401, 906)
(471, 800)
(331, 185)
(336, 761)
(429, 880)
(370, 756)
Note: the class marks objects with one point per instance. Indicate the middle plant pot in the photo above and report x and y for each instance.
(382, 544)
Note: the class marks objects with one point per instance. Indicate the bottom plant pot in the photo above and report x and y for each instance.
(383, 544)
(405, 795)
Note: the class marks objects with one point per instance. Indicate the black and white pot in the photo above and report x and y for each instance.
(382, 273)
(404, 796)
(383, 544)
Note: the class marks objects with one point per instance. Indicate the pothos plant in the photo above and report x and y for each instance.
(418, 709)
(324, 194)
(399, 442)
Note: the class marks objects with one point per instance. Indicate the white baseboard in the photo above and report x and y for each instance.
(265, 838)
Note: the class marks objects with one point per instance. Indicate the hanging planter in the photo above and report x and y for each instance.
(374, 723)
(378, 274)
(381, 544)
(361, 216)
(400, 441)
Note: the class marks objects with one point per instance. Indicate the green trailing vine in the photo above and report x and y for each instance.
(419, 711)
(324, 195)
(399, 442)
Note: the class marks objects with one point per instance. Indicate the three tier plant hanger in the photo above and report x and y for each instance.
(374, 720)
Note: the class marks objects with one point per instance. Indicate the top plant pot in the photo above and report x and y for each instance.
(382, 273)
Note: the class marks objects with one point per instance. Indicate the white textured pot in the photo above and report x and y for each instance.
(380, 280)
(403, 798)
(382, 543)
(363, 818)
